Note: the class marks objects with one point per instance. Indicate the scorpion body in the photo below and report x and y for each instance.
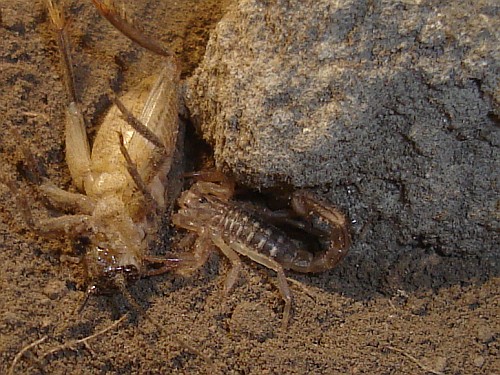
(207, 210)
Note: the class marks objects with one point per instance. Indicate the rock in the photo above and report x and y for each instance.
(310, 93)
(397, 103)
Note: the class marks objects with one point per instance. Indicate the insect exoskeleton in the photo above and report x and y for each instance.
(124, 181)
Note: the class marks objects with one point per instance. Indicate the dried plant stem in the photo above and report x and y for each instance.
(415, 360)
(85, 340)
(22, 351)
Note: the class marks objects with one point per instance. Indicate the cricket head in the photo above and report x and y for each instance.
(109, 270)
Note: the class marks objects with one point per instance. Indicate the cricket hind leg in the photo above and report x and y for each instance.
(77, 144)
(60, 26)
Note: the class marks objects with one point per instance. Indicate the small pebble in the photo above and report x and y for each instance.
(440, 364)
(479, 361)
(484, 334)
(55, 289)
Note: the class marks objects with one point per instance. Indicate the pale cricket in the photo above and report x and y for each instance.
(123, 181)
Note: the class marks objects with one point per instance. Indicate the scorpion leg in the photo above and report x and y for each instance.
(167, 264)
(203, 246)
(202, 250)
(233, 258)
(270, 263)
(183, 264)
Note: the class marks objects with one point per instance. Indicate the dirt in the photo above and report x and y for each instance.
(340, 322)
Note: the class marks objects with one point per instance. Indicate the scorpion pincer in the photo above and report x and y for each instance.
(207, 210)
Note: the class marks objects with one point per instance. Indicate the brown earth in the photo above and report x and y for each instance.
(450, 330)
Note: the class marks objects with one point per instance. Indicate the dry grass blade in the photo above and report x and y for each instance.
(72, 344)
(415, 360)
(22, 351)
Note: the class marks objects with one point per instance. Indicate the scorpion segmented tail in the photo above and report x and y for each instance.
(332, 226)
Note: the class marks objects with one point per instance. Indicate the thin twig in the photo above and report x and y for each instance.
(413, 359)
(72, 344)
(24, 350)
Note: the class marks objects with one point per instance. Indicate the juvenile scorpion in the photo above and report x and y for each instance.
(206, 209)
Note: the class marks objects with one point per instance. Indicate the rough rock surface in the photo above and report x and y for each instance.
(391, 106)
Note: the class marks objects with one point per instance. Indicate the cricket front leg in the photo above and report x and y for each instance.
(71, 226)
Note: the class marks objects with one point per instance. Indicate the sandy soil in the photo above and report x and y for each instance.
(340, 324)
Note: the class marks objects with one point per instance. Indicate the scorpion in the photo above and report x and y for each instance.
(206, 210)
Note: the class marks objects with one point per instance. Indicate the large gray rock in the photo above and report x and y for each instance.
(396, 101)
